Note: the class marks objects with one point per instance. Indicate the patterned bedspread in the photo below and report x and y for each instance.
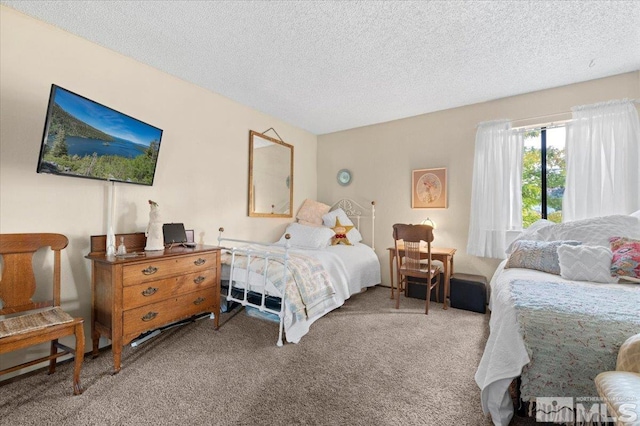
(571, 334)
(306, 283)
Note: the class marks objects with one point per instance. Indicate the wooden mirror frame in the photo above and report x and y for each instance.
(252, 191)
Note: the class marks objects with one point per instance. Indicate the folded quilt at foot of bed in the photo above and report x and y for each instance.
(305, 283)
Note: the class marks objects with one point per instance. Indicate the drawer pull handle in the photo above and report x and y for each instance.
(198, 280)
(150, 270)
(198, 301)
(149, 316)
(149, 292)
(199, 262)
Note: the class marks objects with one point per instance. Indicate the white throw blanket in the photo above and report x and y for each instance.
(504, 354)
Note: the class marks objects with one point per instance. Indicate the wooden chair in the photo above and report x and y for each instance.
(17, 287)
(413, 264)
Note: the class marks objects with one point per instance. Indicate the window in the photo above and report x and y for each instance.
(543, 174)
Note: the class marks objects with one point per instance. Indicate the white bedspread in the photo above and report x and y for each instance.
(505, 353)
(351, 268)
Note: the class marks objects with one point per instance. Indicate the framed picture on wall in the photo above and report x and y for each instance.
(429, 189)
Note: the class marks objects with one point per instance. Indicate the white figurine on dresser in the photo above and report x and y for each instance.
(155, 239)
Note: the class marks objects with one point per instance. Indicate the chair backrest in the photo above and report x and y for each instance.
(629, 355)
(411, 236)
(18, 281)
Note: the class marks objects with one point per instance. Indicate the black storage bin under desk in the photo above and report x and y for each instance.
(419, 291)
(469, 292)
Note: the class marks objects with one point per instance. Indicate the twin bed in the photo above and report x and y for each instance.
(558, 317)
(307, 273)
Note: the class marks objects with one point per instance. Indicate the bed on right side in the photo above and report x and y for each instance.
(558, 317)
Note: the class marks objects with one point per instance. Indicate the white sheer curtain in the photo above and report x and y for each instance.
(496, 194)
(603, 161)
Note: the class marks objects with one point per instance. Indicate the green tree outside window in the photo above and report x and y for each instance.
(532, 190)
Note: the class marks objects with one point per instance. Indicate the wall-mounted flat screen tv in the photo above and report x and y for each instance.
(83, 138)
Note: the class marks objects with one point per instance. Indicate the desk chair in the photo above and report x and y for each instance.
(410, 266)
(34, 324)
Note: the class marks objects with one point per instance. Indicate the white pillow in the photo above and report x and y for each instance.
(530, 233)
(308, 237)
(636, 214)
(586, 263)
(593, 231)
(329, 220)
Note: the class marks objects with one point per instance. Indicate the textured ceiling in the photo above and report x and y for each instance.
(326, 66)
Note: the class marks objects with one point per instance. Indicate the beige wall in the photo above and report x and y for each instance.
(202, 173)
(382, 156)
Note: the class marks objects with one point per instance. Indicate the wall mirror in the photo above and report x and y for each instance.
(270, 176)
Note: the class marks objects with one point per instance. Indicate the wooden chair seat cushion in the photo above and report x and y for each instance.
(33, 321)
(423, 271)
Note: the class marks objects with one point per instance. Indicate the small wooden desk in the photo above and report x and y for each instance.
(444, 255)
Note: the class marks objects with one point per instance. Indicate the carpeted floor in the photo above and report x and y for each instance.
(363, 364)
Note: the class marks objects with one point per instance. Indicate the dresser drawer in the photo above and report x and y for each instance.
(152, 316)
(161, 268)
(134, 296)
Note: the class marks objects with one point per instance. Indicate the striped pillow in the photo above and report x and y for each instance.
(538, 255)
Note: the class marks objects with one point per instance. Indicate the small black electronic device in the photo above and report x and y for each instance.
(175, 234)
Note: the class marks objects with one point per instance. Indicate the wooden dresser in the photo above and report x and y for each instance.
(133, 295)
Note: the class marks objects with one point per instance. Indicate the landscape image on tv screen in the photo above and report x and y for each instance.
(83, 138)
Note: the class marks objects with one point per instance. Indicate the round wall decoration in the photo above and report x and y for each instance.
(344, 177)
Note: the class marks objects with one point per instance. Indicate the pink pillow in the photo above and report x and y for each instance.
(626, 258)
(305, 223)
(311, 212)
